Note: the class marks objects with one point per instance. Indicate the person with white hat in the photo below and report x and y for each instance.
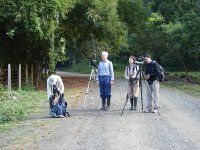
(55, 87)
(105, 78)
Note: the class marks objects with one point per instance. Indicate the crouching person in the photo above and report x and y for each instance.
(55, 92)
(105, 78)
(132, 77)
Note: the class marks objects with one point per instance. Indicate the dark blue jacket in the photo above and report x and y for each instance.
(153, 70)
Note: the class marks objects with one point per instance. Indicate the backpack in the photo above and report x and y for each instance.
(161, 71)
(61, 108)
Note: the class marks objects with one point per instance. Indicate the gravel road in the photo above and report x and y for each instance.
(178, 126)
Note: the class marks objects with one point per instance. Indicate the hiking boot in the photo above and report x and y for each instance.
(147, 111)
(155, 111)
(135, 103)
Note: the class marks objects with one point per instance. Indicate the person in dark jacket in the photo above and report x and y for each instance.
(151, 75)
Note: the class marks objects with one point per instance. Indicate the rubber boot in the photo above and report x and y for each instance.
(135, 103)
(51, 108)
(103, 103)
(108, 104)
(131, 100)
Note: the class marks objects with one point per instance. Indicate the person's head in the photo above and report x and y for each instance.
(52, 80)
(132, 59)
(147, 58)
(104, 55)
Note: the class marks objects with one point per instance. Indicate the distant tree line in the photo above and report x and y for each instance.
(48, 32)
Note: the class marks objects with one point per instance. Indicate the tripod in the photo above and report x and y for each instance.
(92, 79)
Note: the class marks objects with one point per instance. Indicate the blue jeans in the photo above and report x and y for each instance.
(105, 87)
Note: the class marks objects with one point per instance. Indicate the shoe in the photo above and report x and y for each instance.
(60, 116)
(147, 111)
(108, 108)
(155, 111)
(135, 109)
(102, 108)
(131, 108)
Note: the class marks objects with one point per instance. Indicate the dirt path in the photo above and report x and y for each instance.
(178, 127)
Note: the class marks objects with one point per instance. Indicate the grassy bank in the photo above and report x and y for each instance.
(177, 80)
(19, 105)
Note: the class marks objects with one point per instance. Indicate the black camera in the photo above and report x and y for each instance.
(140, 58)
(93, 63)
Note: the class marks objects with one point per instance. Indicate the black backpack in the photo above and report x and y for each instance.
(161, 76)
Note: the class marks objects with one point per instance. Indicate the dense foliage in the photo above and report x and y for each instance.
(35, 31)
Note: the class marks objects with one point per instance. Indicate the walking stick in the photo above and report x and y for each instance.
(125, 104)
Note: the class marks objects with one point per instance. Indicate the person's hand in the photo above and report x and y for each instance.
(97, 82)
(61, 95)
(127, 78)
(111, 82)
(147, 77)
(132, 77)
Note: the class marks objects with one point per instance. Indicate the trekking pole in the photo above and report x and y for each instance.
(141, 88)
(125, 104)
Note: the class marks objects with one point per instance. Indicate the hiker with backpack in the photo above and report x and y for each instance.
(132, 77)
(55, 92)
(154, 74)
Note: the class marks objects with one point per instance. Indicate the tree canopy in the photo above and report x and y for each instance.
(35, 31)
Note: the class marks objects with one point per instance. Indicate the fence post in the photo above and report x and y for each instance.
(9, 77)
(32, 80)
(26, 73)
(20, 77)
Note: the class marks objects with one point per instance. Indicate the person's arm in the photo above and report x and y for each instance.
(156, 67)
(49, 90)
(98, 71)
(61, 85)
(111, 72)
(126, 74)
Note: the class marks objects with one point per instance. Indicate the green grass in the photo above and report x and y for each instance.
(81, 67)
(19, 105)
(193, 75)
(191, 89)
(175, 82)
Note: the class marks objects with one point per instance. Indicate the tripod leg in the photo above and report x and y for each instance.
(88, 87)
(140, 82)
(125, 104)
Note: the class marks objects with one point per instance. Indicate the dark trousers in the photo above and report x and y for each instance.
(105, 87)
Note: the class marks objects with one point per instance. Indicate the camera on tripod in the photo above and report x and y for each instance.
(93, 63)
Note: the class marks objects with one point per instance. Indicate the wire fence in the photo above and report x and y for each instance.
(12, 76)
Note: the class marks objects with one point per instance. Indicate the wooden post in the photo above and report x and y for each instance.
(26, 73)
(20, 77)
(32, 80)
(9, 77)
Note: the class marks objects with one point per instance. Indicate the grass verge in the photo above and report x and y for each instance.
(19, 105)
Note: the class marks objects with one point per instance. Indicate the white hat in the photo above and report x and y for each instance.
(104, 53)
(52, 80)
